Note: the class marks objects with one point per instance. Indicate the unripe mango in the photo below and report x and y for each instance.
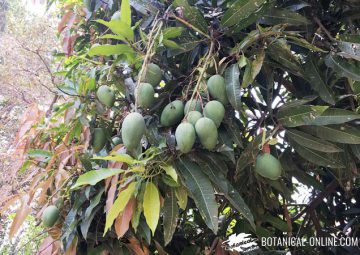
(185, 137)
(106, 95)
(172, 113)
(207, 132)
(192, 105)
(214, 110)
(116, 140)
(50, 216)
(193, 117)
(116, 15)
(133, 129)
(152, 75)
(99, 139)
(145, 95)
(268, 166)
(216, 88)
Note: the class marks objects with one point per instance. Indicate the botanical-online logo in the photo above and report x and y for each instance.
(242, 243)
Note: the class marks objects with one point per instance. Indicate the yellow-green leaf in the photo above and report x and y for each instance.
(125, 158)
(182, 197)
(125, 12)
(119, 205)
(170, 170)
(94, 176)
(151, 206)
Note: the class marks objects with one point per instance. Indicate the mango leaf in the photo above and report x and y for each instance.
(232, 82)
(336, 133)
(299, 115)
(109, 50)
(151, 205)
(311, 142)
(212, 168)
(247, 77)
(302, 43)
(122, 222)
(280, 52)
(349, 49)
(90, 214)
(192, 15)
(334, 116)
(316, 157)
(170, 170)
(257, 63)
(25, 166)
(171, 44)
(283, 16)
(356, 150)
(119, 27)
(239, 11)
(93, 177)
(119, 205)
(314, 77)
(114, 37)
(125, 12)
(35, 153)
(344, 67)
(201, 191)
(172, 32)
(118, 157)
(135, 221)
(187, 44)
(21, 213)
(297, 102)
(252, 18)
(171, 211)
(182, 196)
(276, 222)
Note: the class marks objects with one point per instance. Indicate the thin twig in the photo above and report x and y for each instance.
(201, 73)
(316, 19)
(189, 25)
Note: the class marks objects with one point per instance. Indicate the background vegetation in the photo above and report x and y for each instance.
(292, 78)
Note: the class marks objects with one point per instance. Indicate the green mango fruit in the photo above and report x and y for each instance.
(193, 117)
(50, 216)
(106, 95)
(207, 132)
(116, 140)
(172, 113)
(145, 95)
(99, 139)
(185, 137)
(216, 88)
(116, 15)
(152, 75)
(215, 110)
(133, 129)
(268, 166)
(192, 105)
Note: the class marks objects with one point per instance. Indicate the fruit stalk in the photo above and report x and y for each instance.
(202, 73)
(155, 29)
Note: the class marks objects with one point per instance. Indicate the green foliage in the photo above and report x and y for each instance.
(278, 77)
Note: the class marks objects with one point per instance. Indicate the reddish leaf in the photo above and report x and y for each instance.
(72, 248)
(21, 215)
(111, 192)
(123, 220)
(135, 247)
(66, 21)
(8, 202)
(46, 246)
